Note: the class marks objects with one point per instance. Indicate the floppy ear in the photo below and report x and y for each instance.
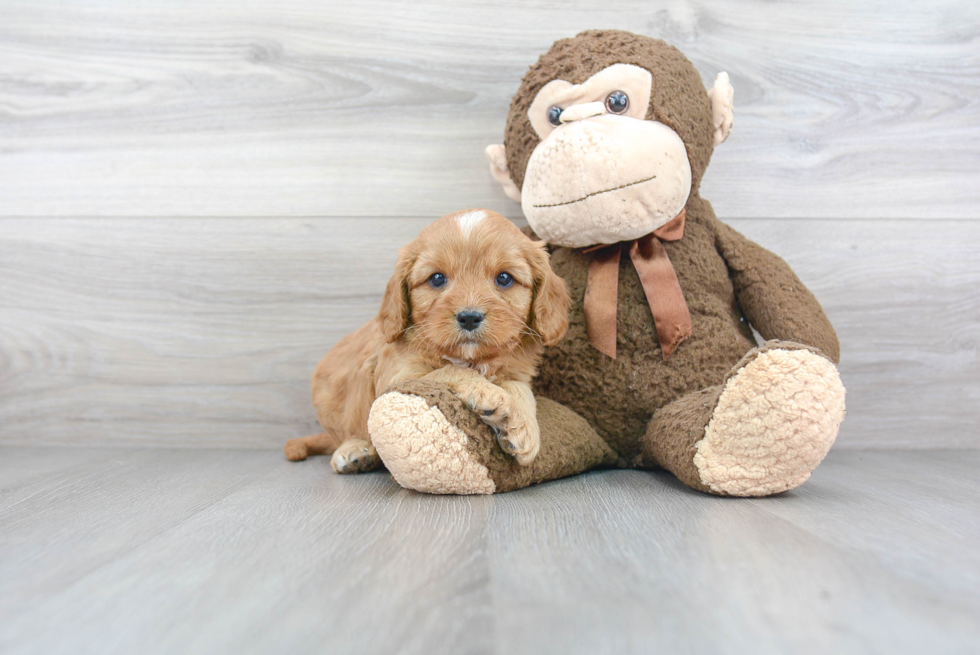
(498, 168)
(395, 314)
(549, 305)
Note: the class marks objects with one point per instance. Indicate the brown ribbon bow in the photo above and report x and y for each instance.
(663, 291)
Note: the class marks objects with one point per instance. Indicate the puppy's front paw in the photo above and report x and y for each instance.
(522, 441)
(355, 456)
(489, 402)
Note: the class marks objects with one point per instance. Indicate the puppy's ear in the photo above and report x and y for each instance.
(395, 314)
(549, 305)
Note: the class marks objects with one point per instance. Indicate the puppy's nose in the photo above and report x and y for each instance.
(469, 319)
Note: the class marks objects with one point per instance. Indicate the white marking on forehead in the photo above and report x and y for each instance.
(468, 220)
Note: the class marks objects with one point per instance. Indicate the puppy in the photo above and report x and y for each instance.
(472, 304)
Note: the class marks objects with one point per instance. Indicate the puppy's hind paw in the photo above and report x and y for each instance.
(355, 456)
(296, 450)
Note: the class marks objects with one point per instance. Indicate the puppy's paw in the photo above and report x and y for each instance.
(355, 456)
(522, 441)
(296, 450)
(489, 402)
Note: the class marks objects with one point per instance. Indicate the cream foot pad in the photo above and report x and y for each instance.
(422, 450)
(775, 421)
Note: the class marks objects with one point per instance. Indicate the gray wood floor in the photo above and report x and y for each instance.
(113, 550)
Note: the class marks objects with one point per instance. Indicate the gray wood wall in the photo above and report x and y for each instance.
(198, 199)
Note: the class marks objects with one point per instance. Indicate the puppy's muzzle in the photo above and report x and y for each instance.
(470, 319)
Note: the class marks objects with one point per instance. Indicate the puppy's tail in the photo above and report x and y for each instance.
(318, 444)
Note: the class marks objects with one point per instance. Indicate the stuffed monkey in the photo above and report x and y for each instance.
(606, 143)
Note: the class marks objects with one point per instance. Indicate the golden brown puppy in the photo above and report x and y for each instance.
(472, 304)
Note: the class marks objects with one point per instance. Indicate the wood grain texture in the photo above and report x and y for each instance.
(203, 551)
(312, 108)
(204, 332)
(231, 551)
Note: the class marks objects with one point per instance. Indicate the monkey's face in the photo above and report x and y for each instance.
(608, 137)
(602, 172)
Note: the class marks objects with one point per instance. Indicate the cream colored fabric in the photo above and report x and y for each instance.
(722, 107)
(643, 192)
(774, 423)
(635, 81)
(422, 450)
(497, 155)
(638, 169)
(583, 111)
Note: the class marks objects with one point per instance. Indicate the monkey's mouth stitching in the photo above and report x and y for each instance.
(595, 193)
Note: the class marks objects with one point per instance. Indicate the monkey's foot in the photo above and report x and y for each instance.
(761, 432)
(431, 442)
(775, 421)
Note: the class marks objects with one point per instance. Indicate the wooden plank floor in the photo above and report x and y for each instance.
(116, 550)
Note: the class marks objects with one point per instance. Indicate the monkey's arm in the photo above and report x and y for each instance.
(774, 300)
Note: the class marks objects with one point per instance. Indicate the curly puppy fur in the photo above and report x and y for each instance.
(421, 332)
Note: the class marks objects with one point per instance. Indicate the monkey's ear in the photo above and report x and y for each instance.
(498, 168)
(395, 314)
(722, 98)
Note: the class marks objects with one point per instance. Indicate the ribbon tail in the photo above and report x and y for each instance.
(663, 291)
(601, 294)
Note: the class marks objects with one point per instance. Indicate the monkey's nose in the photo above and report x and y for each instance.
(469, 319)
(582, 111)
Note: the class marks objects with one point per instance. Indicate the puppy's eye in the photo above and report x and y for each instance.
(554, 115)
(504, 280)
(617, 102)
(437, 280)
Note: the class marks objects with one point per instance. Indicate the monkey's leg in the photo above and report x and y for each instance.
(762, 431)
(431, 442)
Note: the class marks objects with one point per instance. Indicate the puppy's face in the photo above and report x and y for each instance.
(472, 286)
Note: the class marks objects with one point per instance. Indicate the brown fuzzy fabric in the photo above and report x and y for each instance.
(772, 297)
(728, 281)
(672, 437)
(678, 99)
(568, 444)
(618, 397)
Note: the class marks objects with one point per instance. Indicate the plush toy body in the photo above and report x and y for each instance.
(606, 143)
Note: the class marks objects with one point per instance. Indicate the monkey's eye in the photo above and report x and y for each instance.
(554, 115)
(437, 280)
(617, 102)
(504, 279)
